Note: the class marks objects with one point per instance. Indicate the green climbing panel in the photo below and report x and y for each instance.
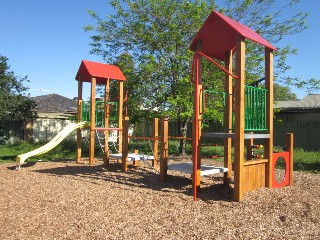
(255, 109)
(99, 115)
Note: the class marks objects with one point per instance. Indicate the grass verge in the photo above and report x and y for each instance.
(303, 160)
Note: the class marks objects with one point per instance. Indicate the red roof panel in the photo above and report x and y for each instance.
(100, 71)
(218, 35)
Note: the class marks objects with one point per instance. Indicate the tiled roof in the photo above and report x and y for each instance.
(308, 102)
(55, 103)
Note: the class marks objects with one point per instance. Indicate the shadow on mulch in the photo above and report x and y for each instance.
(216, 192)
(28, 164)
(33, 163)
(143, 178)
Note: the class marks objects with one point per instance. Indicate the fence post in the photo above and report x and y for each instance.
(289, 144)
(155, 142)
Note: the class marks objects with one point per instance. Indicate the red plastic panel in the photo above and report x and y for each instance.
(286, 157)
(218, 36)
(100, 71)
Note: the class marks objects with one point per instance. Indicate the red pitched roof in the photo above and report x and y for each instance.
(100, 71)
(218, 35)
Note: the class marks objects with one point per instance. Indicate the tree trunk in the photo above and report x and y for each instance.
(183, 128)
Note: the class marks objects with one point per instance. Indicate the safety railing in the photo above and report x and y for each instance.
(99, 113)
(255, 109)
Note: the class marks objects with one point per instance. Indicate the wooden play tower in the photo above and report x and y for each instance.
(99, 73)
(225, 39)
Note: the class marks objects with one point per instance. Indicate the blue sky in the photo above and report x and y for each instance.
(45, 40)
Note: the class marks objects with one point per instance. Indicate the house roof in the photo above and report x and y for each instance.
(218, 35)
(100, 71)
(311, 101)
(54, 103)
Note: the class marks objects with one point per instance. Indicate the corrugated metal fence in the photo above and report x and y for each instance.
(306, 135)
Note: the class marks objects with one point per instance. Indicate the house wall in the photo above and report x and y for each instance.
(44, 129)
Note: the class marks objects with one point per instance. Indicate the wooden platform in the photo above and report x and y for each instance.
(231, 135)
(205, 169)
(132, 156)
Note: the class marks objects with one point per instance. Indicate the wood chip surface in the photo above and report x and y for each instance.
(64, 200)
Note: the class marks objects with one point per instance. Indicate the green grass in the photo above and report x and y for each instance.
(66, 150)
(306, 160)
(303, 160)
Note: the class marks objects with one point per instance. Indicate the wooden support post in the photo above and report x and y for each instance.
(289, 144)
(135, 162)
(79, 116)
(92, 119)
(164, 148)
(228, 119)
(196, 123)
(268, 152)
(125, 143)
(155, 142)
(239, 121)
(106, 123)
(120, 114)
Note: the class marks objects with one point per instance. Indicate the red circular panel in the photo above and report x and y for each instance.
(285, 157)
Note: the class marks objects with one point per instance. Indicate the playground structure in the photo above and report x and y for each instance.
(248, 114)
(224, 39)
(98, 73)
(221, 38)
(97, 113)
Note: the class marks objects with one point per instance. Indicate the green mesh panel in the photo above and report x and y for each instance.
(255, 109)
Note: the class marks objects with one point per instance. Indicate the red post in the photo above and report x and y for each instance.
(197, 104)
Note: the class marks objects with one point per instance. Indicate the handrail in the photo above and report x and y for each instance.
(180, 138)
(144, 138)
(107, 129)
(210, 60)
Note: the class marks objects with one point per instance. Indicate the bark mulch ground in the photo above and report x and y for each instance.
(64, 200)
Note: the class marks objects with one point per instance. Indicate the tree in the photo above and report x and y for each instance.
(155, 36)
(283, 93)
(272, 20)
(15, 106)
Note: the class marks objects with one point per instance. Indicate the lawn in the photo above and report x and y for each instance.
(303, 160)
